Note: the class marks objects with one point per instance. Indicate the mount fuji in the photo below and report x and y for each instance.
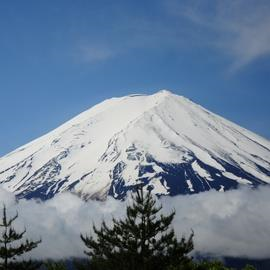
(165, 141)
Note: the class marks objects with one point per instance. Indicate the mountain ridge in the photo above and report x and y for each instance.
(166, 141)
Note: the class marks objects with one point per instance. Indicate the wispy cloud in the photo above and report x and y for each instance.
(96, 53)
(234, 223)
(240, 28)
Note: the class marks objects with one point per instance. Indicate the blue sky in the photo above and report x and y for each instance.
(60, 57)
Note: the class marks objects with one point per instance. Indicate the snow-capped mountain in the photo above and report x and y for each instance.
(163, 140)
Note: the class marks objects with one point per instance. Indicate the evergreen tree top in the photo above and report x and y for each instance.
(144, 239)
(10, 250)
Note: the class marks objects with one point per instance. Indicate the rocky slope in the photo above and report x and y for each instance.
(166, 141)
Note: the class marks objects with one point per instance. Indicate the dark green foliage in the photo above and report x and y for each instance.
(143, 240)
(10, 249)
(206, 265)
(25, 265)
(81, 265)
(209, 265)
(249, 267)
(55, 266)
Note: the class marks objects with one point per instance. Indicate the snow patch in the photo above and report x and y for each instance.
(240, 180)
(200, 171)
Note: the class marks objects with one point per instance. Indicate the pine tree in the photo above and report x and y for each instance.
(143, 240)
(10, 250)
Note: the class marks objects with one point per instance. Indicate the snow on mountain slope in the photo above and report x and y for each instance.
(166, 141)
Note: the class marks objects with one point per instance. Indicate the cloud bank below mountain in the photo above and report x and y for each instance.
(234, 223)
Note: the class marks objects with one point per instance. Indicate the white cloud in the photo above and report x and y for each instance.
(96, 53)
(239, 28)
(234, 223)
(59, 222)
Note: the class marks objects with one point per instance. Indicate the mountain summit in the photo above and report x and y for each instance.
(166, 141)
